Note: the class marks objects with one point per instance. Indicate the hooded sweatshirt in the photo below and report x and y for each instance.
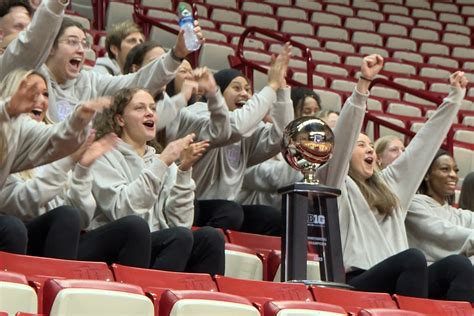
(106, 65)
(127, 184)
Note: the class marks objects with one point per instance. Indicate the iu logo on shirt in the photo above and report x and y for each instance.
(64, 108)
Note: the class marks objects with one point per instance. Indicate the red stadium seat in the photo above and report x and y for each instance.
(289, 308)
(199, 303)
(93, 297)
(37, 270)
(15, 294)
(155, 282)
(352, 301)
(434, 307)
(387, 312)
(260, 292)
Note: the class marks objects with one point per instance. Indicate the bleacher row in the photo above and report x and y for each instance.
(43, 286)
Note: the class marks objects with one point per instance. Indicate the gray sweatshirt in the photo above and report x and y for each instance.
(32, 144)
(209, 121)
(90, 84)
(106, 65)
(220, 172)
(262, 181)
(62, 182)
(367, 236)
(31, 48)
(127, 184)
(439, 230)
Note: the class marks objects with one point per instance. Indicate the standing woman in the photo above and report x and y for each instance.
(373, 205)
(134, 180)
(25, 144)
(433, 225)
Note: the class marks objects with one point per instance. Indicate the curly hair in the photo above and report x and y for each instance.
(106, 122)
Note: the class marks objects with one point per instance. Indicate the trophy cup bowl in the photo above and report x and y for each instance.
(307, 143)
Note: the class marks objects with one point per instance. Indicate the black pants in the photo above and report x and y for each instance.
(257, 219)
(13, 235)
(406, 273)
(55, 234)
(125, 241)
(181, 250)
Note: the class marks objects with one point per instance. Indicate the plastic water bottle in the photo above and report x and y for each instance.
(186, 22)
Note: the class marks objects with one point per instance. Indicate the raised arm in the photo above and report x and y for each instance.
(349, 125)
(31, 48)
(405, 174)
(152, 76)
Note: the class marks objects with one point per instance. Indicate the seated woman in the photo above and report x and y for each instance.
(134, 180)
(55, 202)
(220, 173)
(25, 144)
(373, 205)
(433, 225)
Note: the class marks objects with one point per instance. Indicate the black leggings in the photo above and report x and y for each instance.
(257, 219)
(13, 235)
(55, 234)
(180, 249)
(125, 241)
(406, 273)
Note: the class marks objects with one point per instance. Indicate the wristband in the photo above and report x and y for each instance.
(364, 78)
(174, 56)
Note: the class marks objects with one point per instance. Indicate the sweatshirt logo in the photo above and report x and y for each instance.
(64, 109)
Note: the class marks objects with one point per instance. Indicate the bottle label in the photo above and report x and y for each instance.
(186, 19)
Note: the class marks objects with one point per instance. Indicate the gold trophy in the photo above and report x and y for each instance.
(307, 143)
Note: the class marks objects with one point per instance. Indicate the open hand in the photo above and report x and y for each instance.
(193, 153)
(279, 67)
(88, 109)
(24, 99)
(173, 150)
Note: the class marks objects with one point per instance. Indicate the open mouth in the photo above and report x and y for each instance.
(37, 113)
(369, 160)
(240, 104)
(149, 124)
(76, 62)
(451, 185)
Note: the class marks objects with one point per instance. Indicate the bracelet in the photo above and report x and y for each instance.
(364, 78)
(174, 56)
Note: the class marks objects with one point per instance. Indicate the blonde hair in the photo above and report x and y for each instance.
(383, 142)
(8, 86)
(376, 192)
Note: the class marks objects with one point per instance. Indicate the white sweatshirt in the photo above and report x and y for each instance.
(126, 184)
(439, 230)
(31, 49)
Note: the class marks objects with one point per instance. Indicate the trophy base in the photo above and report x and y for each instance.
(323, 284)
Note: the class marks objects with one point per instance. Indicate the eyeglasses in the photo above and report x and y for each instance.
(76, 43)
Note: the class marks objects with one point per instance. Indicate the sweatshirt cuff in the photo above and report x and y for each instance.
(81, 172)
(66, 164)
(359, 99)
(158, 167)
(269, 94)
(215, 101)
(170, 64)
(57, 6)
(183, 177)
(283, 94)
(456, 94)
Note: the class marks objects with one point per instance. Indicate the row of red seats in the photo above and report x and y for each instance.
(166, 288)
